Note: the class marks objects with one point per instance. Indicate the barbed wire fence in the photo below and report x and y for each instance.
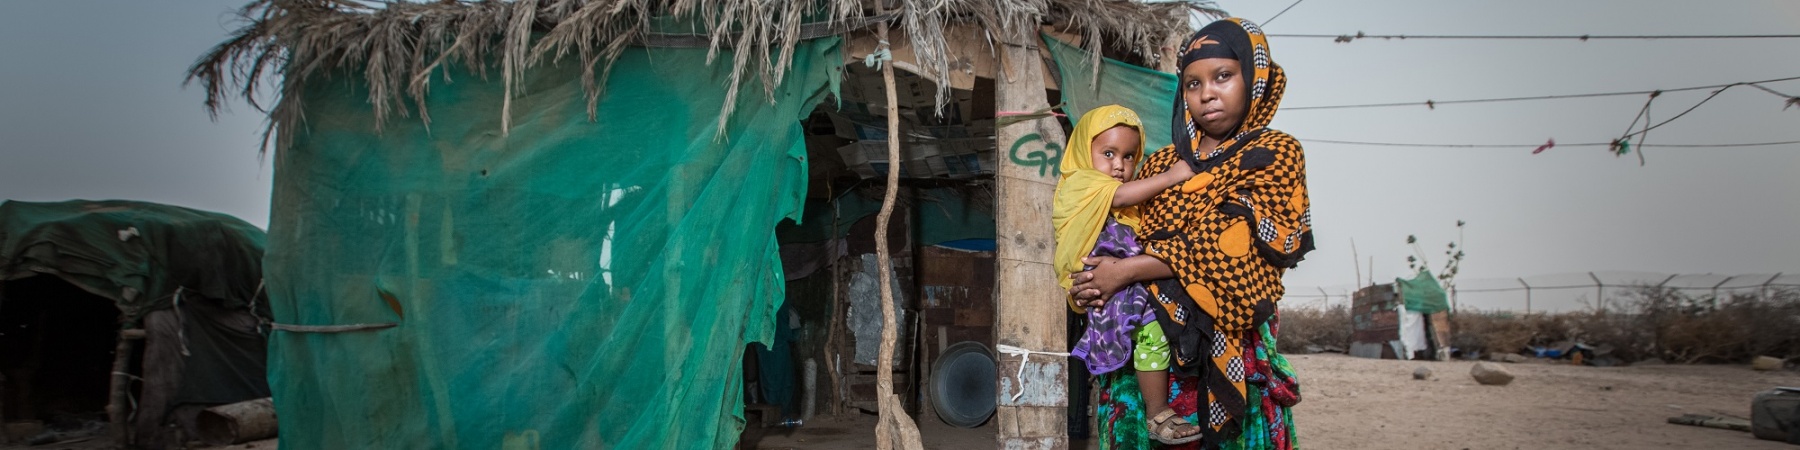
(1568, 291)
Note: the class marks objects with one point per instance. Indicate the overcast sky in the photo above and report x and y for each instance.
(1568, 209)
(91, 106)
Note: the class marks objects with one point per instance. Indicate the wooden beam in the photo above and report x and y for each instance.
(971, 54)
(117, 404)
(1029, 311)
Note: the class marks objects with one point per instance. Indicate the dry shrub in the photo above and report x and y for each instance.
(1323, 326)
(1475, 332)
(1664, 323)
(1647, 323)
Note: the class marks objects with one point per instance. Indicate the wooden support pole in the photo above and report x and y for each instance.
(117, 405)
(1029, 306)
(895, 426)
(833, 343)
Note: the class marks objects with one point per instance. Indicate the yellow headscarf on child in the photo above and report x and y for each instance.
(1084, 195)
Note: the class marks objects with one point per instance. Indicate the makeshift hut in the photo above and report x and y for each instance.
(556, 222)
(115, 310)
(1407, 319)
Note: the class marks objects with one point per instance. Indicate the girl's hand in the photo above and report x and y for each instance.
(1094, 286)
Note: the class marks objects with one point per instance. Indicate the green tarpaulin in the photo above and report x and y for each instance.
(146, 257)
(136, 254)
(1422, 293)
(1148, 92)
(574, 284)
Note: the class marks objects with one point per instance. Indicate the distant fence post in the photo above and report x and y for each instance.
(1715, 290)
(1599, 293)
(1765, 287)
(1527, 294)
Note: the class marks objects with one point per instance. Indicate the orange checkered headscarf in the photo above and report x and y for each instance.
(1232, 230)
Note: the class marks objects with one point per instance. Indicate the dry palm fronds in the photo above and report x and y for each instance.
(396, 47)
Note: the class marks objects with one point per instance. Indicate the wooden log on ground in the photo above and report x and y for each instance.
(237, 422)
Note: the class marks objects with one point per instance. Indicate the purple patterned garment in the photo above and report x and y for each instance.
(1106, 345)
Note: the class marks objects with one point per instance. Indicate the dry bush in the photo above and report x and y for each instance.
(1323, 326)
(1648, 323)
(1664, 323)
(1475, 332)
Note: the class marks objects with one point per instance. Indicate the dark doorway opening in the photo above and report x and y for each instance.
(56, 352)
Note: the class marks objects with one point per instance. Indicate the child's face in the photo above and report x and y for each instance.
(1115, 152)
(1214, 91)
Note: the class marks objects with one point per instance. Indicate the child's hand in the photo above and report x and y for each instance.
(1094, 286)
(1182, 170)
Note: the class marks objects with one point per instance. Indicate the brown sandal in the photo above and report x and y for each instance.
(1167, 428)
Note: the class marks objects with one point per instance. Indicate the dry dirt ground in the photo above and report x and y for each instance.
(1354, 403)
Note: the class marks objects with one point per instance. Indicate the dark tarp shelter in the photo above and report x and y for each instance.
(190, 278)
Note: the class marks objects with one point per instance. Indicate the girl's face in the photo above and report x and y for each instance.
(1115, 152)
(1215, 93)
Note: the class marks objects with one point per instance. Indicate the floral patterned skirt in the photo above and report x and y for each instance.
(1267, 424)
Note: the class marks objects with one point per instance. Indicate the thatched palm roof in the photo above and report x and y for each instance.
(399, 47)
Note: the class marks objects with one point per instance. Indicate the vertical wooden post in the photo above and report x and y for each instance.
(896, 428)
(1029, 306)
(118, 403)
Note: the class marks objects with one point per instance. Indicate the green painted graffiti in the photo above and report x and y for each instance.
(1043, 158)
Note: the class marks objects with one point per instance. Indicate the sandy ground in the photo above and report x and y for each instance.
(1354, 403)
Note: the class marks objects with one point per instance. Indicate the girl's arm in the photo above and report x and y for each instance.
(1109, 275)
(1139, 191)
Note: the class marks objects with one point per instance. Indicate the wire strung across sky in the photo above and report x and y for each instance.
(1344, 38)
(1510, 146)
(1265, 23)
(1433, 103)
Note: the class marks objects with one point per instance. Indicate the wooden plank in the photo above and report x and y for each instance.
(1029, 311)
(969, 52)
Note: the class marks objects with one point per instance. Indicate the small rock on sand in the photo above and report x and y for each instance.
(1765, 363)
(1490, 374)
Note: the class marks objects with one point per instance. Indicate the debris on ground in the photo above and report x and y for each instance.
(1509, 358)
(1702, 420)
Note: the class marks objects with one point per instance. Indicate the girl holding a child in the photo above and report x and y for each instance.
(1187, 281)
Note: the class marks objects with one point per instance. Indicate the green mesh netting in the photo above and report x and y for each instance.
(1148, 92)
(575, 284)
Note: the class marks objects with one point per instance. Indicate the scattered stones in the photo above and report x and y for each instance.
(1765, 363)
(1490, 374)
